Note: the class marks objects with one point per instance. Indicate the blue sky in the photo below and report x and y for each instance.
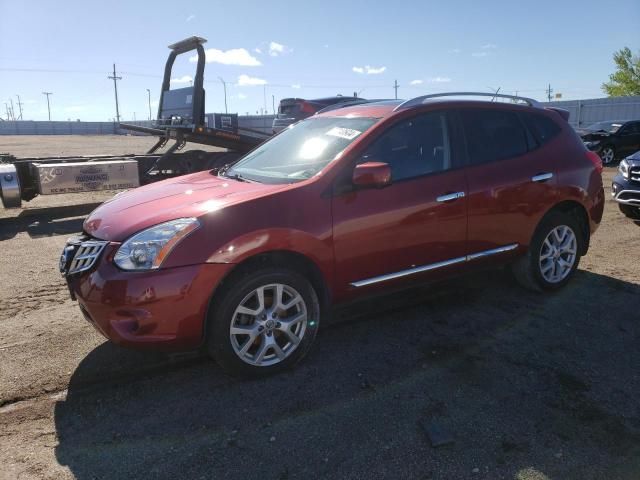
(305, 48)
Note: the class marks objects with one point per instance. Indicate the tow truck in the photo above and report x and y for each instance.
(180, 120)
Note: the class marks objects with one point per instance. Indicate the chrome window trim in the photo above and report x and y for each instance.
(433, 266)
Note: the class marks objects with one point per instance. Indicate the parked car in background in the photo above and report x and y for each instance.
(292, 110)
(612, 140)
(625, 188)
(244, 262)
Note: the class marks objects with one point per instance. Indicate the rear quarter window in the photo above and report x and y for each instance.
(541, 126)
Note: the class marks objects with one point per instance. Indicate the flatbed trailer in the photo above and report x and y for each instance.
(180, 120)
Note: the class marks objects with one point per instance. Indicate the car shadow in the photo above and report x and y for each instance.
(520, 380)
(46, 222)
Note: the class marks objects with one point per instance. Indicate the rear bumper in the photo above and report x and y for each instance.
(159, 310)
(625, 192)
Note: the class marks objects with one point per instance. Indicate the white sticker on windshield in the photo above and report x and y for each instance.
(346, 133)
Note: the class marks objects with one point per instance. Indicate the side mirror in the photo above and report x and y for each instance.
(372, 175)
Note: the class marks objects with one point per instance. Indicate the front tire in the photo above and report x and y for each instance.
(630, 211)
(554, 253)
(263, 322)
(608, 155)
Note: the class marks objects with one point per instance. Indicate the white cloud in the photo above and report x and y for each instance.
(326, 45)
(297, 86)
(416, 82)
(235, 56)
(276, 49)
(182, 79)
(369, 70)
(489, 46)
(455, 50)
(479, 54)
(190, 17)
(257, 50)
(439, 80)
(247, 81)
(242, 96)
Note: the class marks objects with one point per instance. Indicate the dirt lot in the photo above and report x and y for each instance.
(529, 386)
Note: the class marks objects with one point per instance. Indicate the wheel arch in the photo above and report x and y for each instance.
(289, 259)
(575, 208)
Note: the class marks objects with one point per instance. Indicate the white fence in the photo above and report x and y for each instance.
(586, 112)
(29, 127)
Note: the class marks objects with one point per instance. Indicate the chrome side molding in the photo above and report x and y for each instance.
(433, 266)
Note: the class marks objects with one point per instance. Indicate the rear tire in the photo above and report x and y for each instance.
(630, 211)
(554, 253)
(608, 155)
(280, 312)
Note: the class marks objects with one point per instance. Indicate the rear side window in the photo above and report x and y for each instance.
(493, 135)
(542, 127)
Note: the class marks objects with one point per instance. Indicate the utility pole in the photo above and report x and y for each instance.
(13, 112)
(549, 92)
(264, 95)
(134, 116)
(19, 106)
(149, 96)
(224, 85)
(115, 89)
(273, 103)
(6, 107)
(48, 105)
(395, 87)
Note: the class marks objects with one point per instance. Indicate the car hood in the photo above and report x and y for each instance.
(187, 196)
(589, 135)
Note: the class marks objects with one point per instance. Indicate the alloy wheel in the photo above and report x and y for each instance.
(268, 324)
(607, 155)
(558, 254)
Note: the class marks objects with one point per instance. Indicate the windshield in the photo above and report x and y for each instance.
(300, 151)
(610, 127)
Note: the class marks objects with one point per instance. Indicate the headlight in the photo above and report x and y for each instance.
(147, 249)
(623, 168)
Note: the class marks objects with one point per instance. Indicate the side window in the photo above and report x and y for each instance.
(542, 127)
(413, 147)
(632, 128)
(493, 135)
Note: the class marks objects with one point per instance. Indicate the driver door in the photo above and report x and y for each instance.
(415, 225)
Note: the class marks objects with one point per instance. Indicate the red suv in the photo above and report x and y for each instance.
(245, 261)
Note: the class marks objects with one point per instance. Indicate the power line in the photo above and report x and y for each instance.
(48, 105)
(115, 89)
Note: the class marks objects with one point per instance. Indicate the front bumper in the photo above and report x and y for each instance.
(625, 191)
(163, 309)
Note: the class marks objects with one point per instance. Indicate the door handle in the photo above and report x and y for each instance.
(542, 177)
(448, 197)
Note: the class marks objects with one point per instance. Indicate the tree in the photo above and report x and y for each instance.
(626, 80)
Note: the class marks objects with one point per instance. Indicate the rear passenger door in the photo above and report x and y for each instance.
(511, 178)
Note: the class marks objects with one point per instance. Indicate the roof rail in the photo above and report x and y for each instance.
(420, 100)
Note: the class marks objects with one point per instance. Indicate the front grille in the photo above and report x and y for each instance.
(85, 255)
(634, 173)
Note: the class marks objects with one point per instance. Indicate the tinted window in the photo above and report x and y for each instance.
(543, 128)
(413, 147)
(493, 135)
(632, 128)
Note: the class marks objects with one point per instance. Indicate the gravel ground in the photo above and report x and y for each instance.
(528, 386)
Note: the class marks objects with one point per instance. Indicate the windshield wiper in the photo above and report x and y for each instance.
(235, 176)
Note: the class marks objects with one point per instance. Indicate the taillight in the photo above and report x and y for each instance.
(307, 107)
(596, 160)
